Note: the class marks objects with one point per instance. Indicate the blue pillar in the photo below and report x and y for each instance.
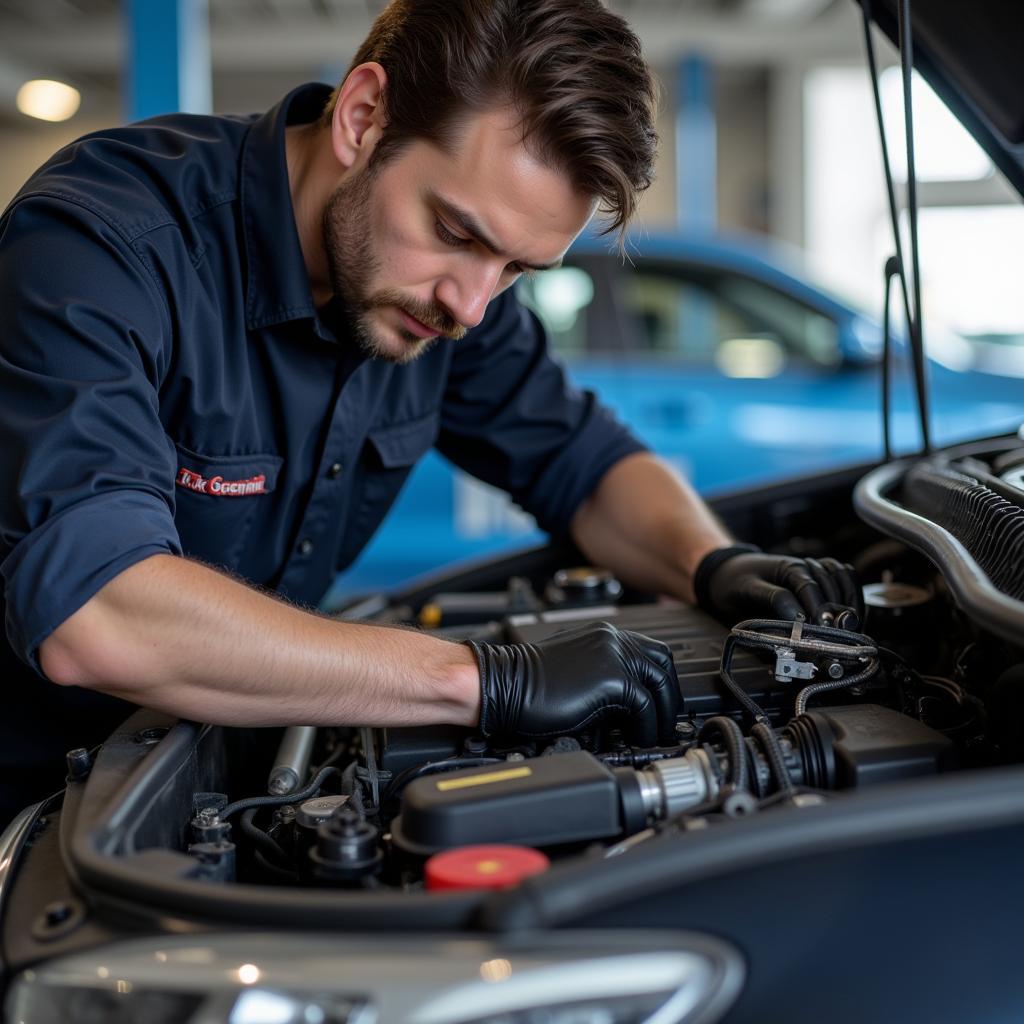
(167, 65)
(696, 145)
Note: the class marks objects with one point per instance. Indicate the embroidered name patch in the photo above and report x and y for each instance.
(218, 486)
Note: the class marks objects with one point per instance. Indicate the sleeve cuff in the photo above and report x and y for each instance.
(58, 567)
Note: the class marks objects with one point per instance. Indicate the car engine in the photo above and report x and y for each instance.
(773, 713)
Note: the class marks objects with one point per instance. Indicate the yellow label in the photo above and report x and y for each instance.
(486, 779)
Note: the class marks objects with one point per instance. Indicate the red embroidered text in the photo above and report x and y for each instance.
(218, 486)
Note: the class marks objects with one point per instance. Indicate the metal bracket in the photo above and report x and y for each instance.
(788, 666)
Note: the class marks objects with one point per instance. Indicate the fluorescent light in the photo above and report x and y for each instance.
(48, 100)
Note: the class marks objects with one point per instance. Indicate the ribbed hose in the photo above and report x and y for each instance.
(745, 701)
(827, 685)
(732, 736)
(769, 634)
(771, 746)
(989, 525)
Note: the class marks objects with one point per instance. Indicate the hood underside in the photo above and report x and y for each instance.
(970, 54)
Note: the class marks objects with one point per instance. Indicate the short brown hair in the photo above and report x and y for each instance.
(572, 70)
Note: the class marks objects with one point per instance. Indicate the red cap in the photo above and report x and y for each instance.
(483, 867)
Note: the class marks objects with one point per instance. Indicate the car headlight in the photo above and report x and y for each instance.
(564, 978)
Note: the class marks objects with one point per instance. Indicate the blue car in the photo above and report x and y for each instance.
(727, 361)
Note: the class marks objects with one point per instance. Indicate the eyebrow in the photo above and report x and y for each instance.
(467, 223)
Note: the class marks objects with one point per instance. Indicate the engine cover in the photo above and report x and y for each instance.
(696, 640)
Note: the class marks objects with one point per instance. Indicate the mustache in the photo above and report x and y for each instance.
(428, 313)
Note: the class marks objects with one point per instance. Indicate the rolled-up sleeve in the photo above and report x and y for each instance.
(511, 418)
(86, 470)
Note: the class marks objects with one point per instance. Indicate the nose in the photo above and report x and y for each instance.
(466, 292)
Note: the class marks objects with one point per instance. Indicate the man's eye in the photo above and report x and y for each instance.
(446, 236)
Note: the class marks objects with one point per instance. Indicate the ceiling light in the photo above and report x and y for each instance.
(48, 100)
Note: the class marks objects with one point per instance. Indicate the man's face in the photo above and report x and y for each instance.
(418, 247)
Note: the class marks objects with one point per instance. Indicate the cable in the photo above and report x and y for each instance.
(770, 634)
(732, 736)
(955, 690)
(770, 744)
(746, 634)
(277, 801)
(334, 757)
(827, 685)
(745, 700)
(972, 709)
(265, 842)
(821, 641)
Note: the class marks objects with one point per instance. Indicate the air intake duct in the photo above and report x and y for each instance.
(989, 524)
(861, 745)
(574, 798)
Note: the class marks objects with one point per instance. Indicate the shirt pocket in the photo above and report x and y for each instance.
(216, 498)
(387, 458)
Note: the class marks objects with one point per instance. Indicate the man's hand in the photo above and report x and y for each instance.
(738, 582)
(565, 683)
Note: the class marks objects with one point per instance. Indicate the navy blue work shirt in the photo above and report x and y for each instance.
(167, 386)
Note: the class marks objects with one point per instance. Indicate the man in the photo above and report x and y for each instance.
(226, 340)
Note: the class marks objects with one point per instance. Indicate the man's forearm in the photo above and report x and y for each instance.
(648, 526)
(175, 635)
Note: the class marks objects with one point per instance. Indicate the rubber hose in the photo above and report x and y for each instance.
(732, 736)
(278, 801)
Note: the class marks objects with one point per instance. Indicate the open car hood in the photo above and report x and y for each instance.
(970, 54)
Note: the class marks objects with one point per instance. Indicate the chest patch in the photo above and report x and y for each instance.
(218, 486)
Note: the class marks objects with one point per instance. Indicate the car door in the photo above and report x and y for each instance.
(731, 378)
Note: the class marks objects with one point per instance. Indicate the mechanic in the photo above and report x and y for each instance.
(226, 340)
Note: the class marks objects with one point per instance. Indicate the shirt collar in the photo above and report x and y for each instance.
(277, 283)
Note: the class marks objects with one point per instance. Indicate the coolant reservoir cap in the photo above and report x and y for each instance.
(314, 812)
(483, 867)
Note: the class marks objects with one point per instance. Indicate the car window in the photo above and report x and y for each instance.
(695, 315)
(560, 298)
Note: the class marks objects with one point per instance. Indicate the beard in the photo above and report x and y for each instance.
(353, 265)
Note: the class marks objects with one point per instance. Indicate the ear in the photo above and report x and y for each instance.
(358, 119)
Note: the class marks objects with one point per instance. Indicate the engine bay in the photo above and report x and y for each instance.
(791, 738)
(773, 714)
(823, 784)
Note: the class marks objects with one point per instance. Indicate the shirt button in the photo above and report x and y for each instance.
(335, 471)
(305, 546)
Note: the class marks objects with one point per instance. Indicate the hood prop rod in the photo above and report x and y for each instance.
(913, 315)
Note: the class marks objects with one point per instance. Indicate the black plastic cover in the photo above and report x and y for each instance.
(864, 744)
(546, 801)
(399, 749)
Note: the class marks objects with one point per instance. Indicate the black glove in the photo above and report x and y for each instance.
(576, 677)
(742, 582)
